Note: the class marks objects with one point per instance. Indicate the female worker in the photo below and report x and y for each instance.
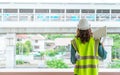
(84, 50)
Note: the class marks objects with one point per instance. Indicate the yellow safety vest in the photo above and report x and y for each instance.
(88, 63)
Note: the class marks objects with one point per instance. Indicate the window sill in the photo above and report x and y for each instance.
(51, 70)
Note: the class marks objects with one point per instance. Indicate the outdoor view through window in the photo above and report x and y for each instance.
(49, 51)
(39, 35)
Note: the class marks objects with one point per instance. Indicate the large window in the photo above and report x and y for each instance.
(57, 15)
(102, 15)
(26, 15)
(41, 14)
(115, 15)
(10, 15)
(72, 14)
(88, 13)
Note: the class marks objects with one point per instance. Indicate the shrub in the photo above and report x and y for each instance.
(51, 53)
(56, 63)
(115, 64)
(19, 62)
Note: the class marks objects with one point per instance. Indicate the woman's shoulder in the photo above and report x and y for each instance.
(76, 39)
(92, 38)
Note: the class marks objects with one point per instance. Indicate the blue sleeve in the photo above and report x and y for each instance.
(72, 58)
(102, 52)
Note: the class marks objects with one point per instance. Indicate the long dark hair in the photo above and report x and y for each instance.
(84, 35)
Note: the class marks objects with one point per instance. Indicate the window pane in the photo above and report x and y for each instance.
(73, 11)
(57, 10)
(41, 10)
(36, 47)
(41, 17)
(10, 17)
(57, 15)
(26, 17)
(115, 15)
(103, 11)
(103, 15)
(26, 10)
(72, 15)
(89, 14)
(88, 11)
(10, 11)
(115, 11)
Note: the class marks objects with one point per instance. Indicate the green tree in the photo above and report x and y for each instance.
(28, 43)
(42, 55)
(23, 48)
(51, 53)
(61, 49)
(18, 48)
(26, 49)
(116, 45)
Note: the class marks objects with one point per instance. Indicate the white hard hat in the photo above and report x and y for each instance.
(83, 24)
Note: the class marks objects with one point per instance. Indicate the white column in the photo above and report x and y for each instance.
(108, 43)
(10, 50)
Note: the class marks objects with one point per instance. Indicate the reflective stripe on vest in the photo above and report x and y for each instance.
(86, 66)
(87, 57)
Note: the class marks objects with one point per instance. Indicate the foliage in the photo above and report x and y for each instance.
(51, 53)
(28, 43)
(18, 62)
(115, 65)
(116, 38)
(56, 63)
(42, 54)
(23, 48)
(26, 49)
(52, 36)
(61, 49)
(116, 45)
(18, 47)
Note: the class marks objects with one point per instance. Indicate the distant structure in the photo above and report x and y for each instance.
(37, 41)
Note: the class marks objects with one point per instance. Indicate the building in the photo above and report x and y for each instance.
(37, 41)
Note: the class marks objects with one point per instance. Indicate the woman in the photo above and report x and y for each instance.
(84, 50)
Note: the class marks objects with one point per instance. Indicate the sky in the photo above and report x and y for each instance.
(64, 1)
